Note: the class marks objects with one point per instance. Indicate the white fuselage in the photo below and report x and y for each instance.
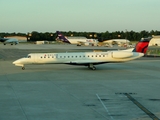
(82, 58)
(118, 41)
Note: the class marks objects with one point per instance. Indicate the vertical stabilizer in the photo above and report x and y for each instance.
(61, 37)
(142, 45)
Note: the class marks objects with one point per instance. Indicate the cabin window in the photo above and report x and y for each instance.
(41, 57)
(103, 55)
(84, 56)
(88, 55)
(68, 56)
(99, 55)
(92, 55)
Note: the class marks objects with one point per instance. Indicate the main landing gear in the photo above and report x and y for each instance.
(91, 66)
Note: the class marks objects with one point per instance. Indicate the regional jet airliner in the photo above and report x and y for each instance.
(84, 58)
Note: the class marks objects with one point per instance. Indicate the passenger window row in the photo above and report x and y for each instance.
(89, 56)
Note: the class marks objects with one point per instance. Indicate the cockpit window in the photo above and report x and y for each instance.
(29, 56)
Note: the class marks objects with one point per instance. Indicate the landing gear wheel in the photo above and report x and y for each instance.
(93, 68)
(23, 68)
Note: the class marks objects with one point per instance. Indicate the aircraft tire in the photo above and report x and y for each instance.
(23, 68)
(93, 68)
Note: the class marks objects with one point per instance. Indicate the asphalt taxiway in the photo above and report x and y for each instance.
(118, 91)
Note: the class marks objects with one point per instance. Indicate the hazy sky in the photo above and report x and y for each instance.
(79, 15)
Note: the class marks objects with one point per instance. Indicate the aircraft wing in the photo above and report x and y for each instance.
(85, 62)
(80, 42)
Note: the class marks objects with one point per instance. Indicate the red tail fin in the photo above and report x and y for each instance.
(142, 45)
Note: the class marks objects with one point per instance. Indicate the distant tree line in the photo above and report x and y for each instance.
(101, 36)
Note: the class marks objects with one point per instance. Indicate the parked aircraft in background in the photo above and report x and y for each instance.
(77, 40)
(84, 58)
(155, 40)
(9, 40)
(119, 42)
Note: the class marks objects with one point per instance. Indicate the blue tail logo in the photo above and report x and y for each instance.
(61, 37)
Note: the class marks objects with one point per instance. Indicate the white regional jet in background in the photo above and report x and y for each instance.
(77, 40)
(116, 41)
(84, 58)
(9, 40)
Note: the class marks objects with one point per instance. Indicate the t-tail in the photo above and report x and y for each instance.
(61, 37)
(142, 45)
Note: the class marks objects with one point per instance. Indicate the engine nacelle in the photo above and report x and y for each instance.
(121, 54)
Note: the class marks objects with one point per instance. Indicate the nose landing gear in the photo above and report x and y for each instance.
(23, 68)
(91, 66)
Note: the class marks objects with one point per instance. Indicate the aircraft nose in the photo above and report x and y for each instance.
(16, 62)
